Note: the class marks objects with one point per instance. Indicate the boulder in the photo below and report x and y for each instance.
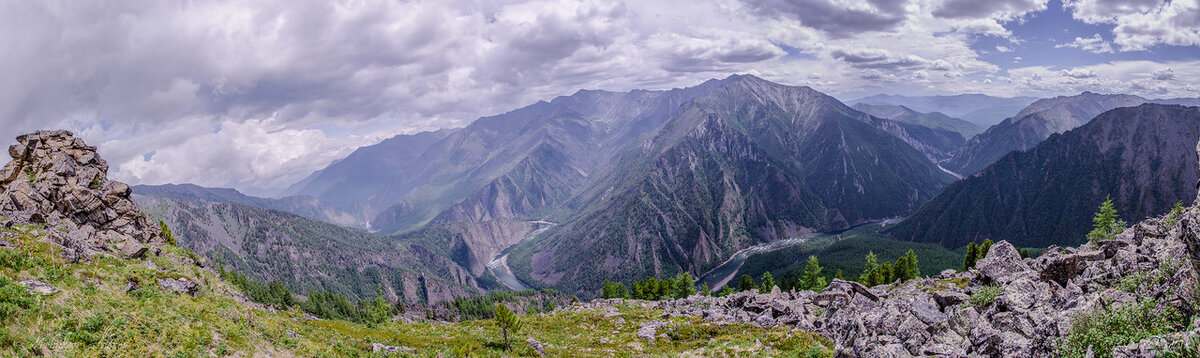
(134, 249)
(182, 285)
(949, 298)
(1061, 268)
(1002, 261)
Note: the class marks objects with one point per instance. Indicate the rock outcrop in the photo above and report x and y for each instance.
(947, 315)
(56, 179)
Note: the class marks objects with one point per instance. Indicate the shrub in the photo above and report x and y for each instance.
(986, 296)
(1104, 329)
(1149, 278)
(1176, 213)
(166, 232)
(1189, 348)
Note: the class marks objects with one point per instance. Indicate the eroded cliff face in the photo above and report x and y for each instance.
(58, 180)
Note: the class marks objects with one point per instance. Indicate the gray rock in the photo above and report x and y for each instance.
(649, 329)
(1002, 261)
(134, 249)
(949, 298)
(383, 348)
(537, 346)
(1061, 268)
(39, 287)
(182, 285)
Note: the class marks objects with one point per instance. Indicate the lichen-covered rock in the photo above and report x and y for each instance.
(56, 179)
(1002, 261)
(181, 285)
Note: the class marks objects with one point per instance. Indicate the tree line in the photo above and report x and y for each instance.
(323, 304)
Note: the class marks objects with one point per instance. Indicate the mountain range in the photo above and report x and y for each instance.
(981, 110)
(1142, 157)
(624, 185)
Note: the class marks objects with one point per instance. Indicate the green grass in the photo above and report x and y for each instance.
(986, 296)
(93, 317)
(846, 250)
(1106, 328)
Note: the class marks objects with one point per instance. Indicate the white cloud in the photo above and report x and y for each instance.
(264, 76)
(1079, 73)
(1133, 77)
(1094, 44)
(256, 155)
(1142, 24)
(1164, 74)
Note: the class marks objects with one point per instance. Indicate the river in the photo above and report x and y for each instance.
(499, 265)
(721, 275)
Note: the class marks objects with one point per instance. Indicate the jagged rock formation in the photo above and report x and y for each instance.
(58, 180)
(1035, 307)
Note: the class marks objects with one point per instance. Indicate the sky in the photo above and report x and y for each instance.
(257, 94)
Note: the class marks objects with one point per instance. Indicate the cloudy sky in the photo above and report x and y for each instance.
(256, 94)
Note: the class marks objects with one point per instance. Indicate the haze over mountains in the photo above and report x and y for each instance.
(981, 110)
(624, 185)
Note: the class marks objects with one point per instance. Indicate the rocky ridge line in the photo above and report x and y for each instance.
(58, 180)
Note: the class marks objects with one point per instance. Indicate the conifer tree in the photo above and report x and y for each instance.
(704, 289)
(746, 283)
(812, 279)
(725, 291)
(913, 270)
(768, 282)
(972, 255)
(869, 269)
(899, 269)
(838, 275)
(1106, 224)
(508, 322)
(886, 274)
(685, 285)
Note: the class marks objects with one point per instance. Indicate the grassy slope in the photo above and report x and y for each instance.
(93, 316)
(846, 250)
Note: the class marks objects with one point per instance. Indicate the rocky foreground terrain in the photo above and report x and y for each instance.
(1030, 312)
(1004, 307)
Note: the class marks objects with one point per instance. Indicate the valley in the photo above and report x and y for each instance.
(715, 192)
(608, 179)
(499, 265)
